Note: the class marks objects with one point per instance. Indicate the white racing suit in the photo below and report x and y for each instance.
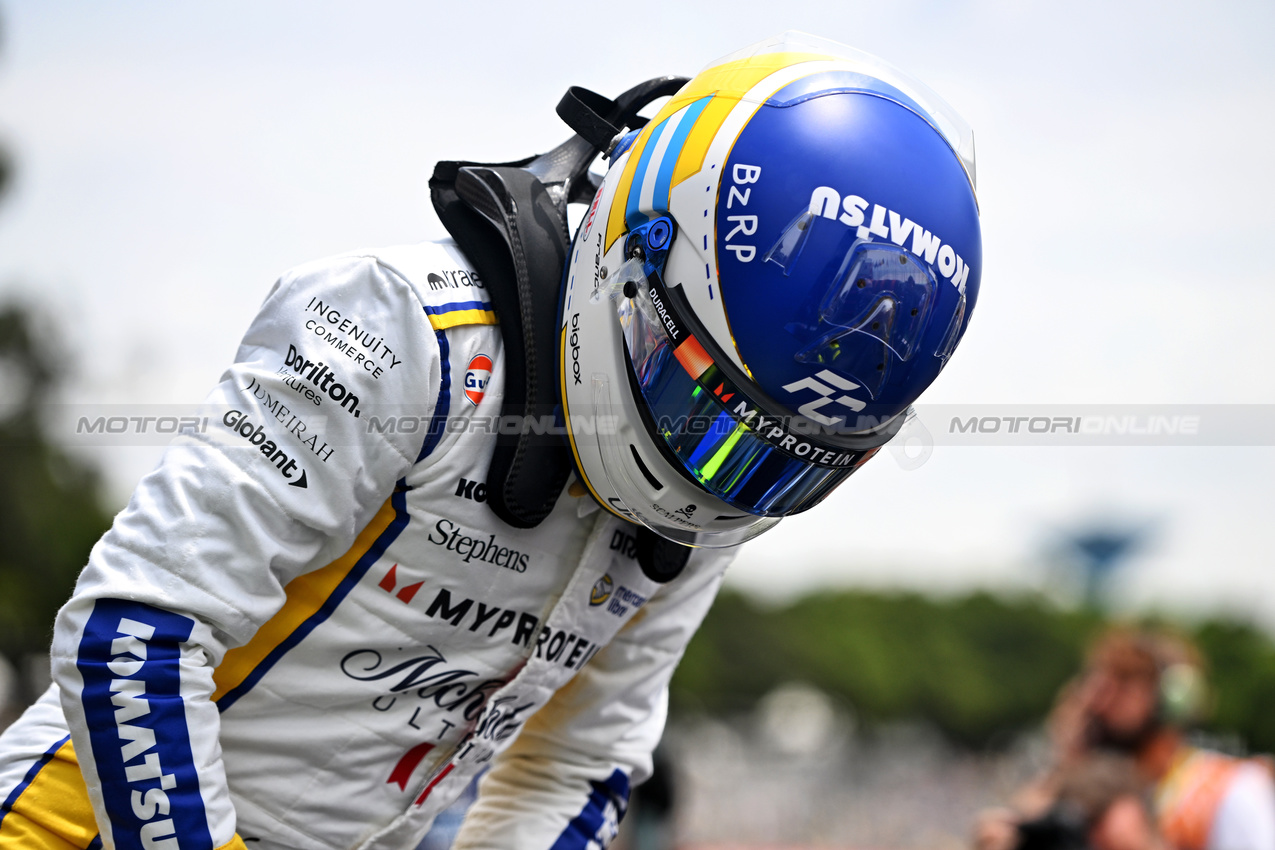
(307, 629)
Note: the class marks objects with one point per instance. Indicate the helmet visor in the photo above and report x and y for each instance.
(720, 446)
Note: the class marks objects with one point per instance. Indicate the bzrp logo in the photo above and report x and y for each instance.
(743, 224)
(811, 408)
(476, 378)
(601, 590)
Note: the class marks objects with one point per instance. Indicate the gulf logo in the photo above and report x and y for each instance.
(476, 378)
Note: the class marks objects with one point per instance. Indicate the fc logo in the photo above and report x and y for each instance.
(826, 395)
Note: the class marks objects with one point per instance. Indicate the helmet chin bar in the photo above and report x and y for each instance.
(637, 495)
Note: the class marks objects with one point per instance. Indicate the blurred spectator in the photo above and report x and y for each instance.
(1124, 776)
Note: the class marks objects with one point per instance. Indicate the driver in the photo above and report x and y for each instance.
(363, 582)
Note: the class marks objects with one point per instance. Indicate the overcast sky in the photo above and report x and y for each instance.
(173, 159)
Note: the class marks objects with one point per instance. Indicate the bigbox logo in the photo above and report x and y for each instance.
(574, 341)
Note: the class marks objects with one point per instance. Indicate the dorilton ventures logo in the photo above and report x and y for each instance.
(321, 376)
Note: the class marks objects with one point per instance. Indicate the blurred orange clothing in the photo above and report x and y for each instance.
(1189, 798)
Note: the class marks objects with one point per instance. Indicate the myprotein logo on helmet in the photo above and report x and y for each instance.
(743, 225)
(851, 211)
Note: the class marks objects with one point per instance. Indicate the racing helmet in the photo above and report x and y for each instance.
(773, 269)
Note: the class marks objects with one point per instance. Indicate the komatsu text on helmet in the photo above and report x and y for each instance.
(773, 270)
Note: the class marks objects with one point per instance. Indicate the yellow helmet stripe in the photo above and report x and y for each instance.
(728, 81)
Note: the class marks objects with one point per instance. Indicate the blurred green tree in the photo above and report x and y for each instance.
(979, 667)
(51, 505)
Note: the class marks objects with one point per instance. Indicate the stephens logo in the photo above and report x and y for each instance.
(475, 548)
(476, 378)
(601, 590)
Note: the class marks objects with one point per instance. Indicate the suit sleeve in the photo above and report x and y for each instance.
(284, 469)
(564, 783)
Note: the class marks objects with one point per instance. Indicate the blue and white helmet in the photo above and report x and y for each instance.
(773, 270)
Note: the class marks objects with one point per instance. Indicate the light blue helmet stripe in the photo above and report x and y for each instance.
(664, 178)
(633, 215)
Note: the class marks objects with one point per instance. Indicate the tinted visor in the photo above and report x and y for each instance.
(705, 434)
